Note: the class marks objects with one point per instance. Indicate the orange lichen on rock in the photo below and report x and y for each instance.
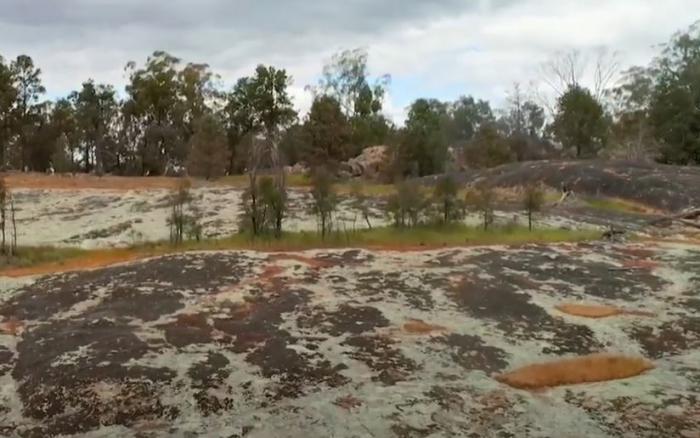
(12, 327)
(597, 311)
(93, 260)
(417, 326)
(586, 369)
(589, 311)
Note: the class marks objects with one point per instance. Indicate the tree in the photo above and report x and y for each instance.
(488, 148)
(8, 224)
(95, 110)
(632, 130)
(327, 132)
(675, 104)
(445, 195)
(466, 116)
(406, 206)
(179, 219)
(581, 122)
(325, 200)
(197, 91)
(155, 111)
(533, 200)
(209, 154)
(266, 96)
(423, 146)
(8, 96)
(27, 83)
(274, 204)
(482, 199)
(64, 122)
(346, 78)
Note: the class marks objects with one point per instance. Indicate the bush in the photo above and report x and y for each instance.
(325, 200)
(264, 207)
(274, 202)
(533, 200)
(482, 200)
(178, 219)
(407, 205)
(360, 201)
(450, 207)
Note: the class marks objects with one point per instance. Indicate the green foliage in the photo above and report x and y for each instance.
(209, 153)
(95, 109)
(488, 148)
(406, 207)
(533, 201)
(466, 116)
(273, 197)
(446, 198)
(676, 98)
(482, 200)
(327, 132)
(346, 78)
(181, 221)
(325, 200)
(264, 207)
(423, 146)
(581, 122)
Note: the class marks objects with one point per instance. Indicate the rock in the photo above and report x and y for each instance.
(297, 169)
(370, 163)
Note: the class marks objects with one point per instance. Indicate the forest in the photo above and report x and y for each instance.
(175, 117)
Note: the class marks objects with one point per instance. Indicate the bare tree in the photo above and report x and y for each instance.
(574, 68)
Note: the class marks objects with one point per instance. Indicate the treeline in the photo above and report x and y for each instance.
(175, 116)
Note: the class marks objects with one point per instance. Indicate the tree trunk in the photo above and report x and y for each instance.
(529, 219)
(13, 248)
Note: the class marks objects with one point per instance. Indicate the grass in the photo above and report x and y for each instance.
(30, 256)
(616, 205)
(35, 261)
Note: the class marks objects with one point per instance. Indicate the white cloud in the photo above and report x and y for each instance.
(441, 47)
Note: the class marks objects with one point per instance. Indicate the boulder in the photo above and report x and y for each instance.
(369, 164)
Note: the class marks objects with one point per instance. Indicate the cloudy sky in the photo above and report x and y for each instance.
(431, 48)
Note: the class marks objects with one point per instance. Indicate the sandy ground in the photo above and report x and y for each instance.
(352, 343)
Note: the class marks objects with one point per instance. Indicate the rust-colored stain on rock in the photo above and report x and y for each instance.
(586, 369)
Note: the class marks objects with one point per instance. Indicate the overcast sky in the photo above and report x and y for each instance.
(438, 48)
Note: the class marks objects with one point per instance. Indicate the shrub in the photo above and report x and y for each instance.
(450, 207)
(407, 205)
(533, 200)
(274, 202)
(482, 200)
(325, 200)
(360, 201)
(184, 219)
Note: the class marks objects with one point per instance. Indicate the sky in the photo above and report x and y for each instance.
(431, 48)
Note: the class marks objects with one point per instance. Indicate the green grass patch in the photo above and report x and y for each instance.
(36, 255)
(616, 205)
(427, 237)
